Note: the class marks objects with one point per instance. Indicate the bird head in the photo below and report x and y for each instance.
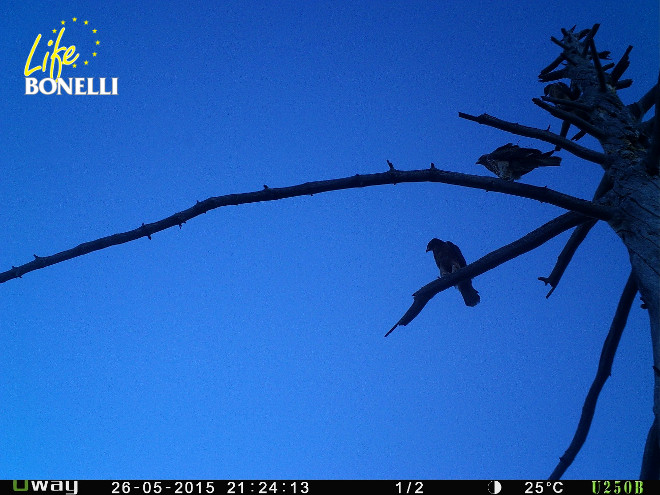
(433, 244)
(482, 160)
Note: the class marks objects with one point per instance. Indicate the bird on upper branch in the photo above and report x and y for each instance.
(562, 91)
(510, 162)
(449, 259)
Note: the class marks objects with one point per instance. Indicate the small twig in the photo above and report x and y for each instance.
(566, 255)
(495, 258)
(579, 136)
(559, 43)
(553, 76)
(553, 65)
(577, 236)
(543, 135)
(572, 118)
(604, 370)
(599, 68)
(583, 33)
(568, 103)
(563, 132)
(621, 66)
(623, 84)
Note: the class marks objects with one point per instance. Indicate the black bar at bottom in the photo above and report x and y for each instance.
(318, 487)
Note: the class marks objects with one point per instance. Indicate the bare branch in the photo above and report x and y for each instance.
(392, 176)
(570, 117)
(574, 242)
(495, 258)
(587, 40)
(533, 132)
(559, 43)
(563, 132)
(639, 108)
(621, 65)
(579, 135)
(604, 370)
(566, 255)
(553, 76)
(599, 68)
(583, 33)
(553, 65)
(568, 103)
(623, 84)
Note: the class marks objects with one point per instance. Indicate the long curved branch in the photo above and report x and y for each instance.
(533, 132)
(495, 258)
(604, 370)
(393, 176)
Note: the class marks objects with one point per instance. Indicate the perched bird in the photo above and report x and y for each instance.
(449, 259)
(510, 162)
(562, 91)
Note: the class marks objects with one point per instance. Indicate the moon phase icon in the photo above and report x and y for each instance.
(494, 487)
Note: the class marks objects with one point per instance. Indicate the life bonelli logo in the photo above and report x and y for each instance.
(72, 59)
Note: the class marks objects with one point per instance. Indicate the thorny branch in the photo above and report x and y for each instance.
(392, 176)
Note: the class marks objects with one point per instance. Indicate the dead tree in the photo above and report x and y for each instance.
(627, 198)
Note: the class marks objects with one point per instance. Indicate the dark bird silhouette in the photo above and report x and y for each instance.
(449, 259)
(510, 162)
(562, 91)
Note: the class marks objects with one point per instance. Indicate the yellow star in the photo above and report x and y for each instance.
(98, 42)
(75, 19)
(94, 31)
(63, 23)
(86, 62)
(94, 54)
(54, 30)
(74, 66)
(86, 22)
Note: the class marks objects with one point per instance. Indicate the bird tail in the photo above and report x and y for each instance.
(549, 161)
(469, 293)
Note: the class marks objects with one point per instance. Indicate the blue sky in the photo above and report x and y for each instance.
(249, 344)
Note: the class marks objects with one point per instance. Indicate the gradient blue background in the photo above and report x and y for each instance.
(250, 343)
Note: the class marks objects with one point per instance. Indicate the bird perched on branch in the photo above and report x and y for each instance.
(510, 162)
(562, 91)
(449, 259)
